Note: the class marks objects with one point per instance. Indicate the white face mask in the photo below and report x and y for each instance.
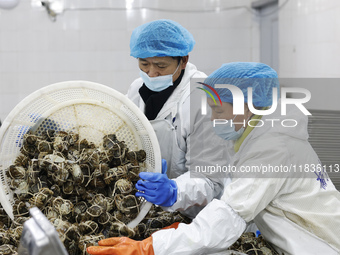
(227, 132)
(158, 83)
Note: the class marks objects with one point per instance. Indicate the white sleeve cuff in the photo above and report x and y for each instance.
(193, 194)
(214, 229)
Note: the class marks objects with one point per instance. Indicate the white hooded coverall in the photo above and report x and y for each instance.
(296, 215)
(174, 126)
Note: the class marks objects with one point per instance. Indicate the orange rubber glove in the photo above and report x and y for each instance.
(125, 245)
(173, 225)
(122, 246)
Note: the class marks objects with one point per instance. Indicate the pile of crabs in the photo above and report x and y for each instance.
(86, 192)
(250, 244)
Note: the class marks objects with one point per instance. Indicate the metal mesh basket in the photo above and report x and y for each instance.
(92, 110)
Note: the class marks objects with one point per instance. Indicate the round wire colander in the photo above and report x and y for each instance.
(90, 109)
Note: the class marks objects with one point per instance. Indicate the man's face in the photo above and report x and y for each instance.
(225, 111)
(160, 66)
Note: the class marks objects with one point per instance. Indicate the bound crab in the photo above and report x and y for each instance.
(86, 192)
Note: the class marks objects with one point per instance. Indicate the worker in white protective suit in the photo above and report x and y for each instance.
(163, 93)
(297, 212)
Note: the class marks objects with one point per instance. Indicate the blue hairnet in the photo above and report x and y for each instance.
(260, 77)
(161, 38)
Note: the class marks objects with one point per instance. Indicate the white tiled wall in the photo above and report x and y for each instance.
(94, 45)
(310, 48)
(310, 38)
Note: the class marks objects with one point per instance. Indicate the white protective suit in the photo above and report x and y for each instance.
(296, 215)
(174, 125)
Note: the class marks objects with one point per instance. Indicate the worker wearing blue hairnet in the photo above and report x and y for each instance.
(163, 93)
(296, 213)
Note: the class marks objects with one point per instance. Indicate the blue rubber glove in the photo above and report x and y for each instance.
(157, 188)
